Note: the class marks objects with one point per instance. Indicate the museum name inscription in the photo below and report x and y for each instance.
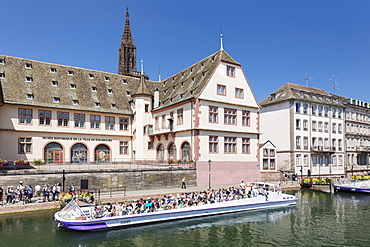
(75, 139)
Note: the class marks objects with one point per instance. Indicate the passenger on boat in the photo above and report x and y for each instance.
(180, 201)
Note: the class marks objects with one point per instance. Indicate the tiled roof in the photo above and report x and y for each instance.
(189, 82)
(142, 88)
(294, 91)
(47, 82)
(23, 77)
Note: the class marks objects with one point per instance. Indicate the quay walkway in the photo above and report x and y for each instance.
(37, 204)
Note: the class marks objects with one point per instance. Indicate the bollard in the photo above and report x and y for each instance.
(124, 191)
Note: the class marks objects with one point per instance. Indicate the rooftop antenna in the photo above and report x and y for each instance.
(142, 67)
(307, 78)
(221, 43)
(334, 83)
(159, 74)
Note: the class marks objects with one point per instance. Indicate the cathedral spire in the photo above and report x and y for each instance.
(127, 52)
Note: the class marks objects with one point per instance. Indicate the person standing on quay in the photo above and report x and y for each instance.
(38, 190)
(183, 183)
(1, 194)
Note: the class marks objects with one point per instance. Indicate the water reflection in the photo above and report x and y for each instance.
(319, 219)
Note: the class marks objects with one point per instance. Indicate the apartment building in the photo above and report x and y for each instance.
(307, 126)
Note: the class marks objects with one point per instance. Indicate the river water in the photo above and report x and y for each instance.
(319, 219)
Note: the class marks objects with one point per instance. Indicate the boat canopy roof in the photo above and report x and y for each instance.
(72, 211)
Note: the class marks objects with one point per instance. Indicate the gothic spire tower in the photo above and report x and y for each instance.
(127, 52)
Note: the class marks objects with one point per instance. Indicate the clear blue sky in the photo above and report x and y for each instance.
(275, 41)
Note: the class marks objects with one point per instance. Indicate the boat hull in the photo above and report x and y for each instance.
(175, 214)
(352, 189)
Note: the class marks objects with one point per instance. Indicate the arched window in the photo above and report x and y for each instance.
(160, 154)
(79, 153)
(102, 154)
(172, 151)
(53, 153)
(185, 152)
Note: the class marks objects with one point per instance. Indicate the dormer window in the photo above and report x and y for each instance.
(202, 64)
(213, 59)
(191, 70)
(56, 100)
(28, 66)
(182, 84)
(173, 78)
(110, 91)
(204, 74)
(2, 75)
(93, 89)
(75, 102)
(54, 83)
(29, 79)
(97, 104)
(181, 95)
(301, 94)
(72, 86)
(165, 92)
(182, 74)
(53, 70)
(124, 82)
(230, 71)
(113, 105)
(30, 96)
(2, 60)
(164, 83)
(128, 93)
(70, 72)
(106, 78)
(173, 88)
(91, 76)
(192, 79)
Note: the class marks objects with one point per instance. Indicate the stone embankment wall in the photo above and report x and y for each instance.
(105, 180)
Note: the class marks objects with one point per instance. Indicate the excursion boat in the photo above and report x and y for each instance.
(354, 186)
(81, 218)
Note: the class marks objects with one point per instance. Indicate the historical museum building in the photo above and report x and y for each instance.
(206, 114)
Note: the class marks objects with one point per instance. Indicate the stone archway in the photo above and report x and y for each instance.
(53, 153)
(79, 153)
(102, 154)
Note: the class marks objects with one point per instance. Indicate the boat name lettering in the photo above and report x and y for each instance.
(125, 221)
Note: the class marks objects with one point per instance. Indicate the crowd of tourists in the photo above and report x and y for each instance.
(24, 193)
(183, 200)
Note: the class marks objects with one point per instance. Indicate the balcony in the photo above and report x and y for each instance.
(363, 149)
(322, 149)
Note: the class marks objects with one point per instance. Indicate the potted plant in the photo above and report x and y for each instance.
(19, 162)
(265, 167)
(38, 162)
(179, 162)
(64, 198)
(3, 162)
(170, 161)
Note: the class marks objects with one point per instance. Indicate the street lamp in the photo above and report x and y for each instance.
(301, 172)
(64, 178)
(209, 173)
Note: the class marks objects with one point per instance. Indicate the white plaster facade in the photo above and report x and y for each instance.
(357, 133)
(306, 125)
